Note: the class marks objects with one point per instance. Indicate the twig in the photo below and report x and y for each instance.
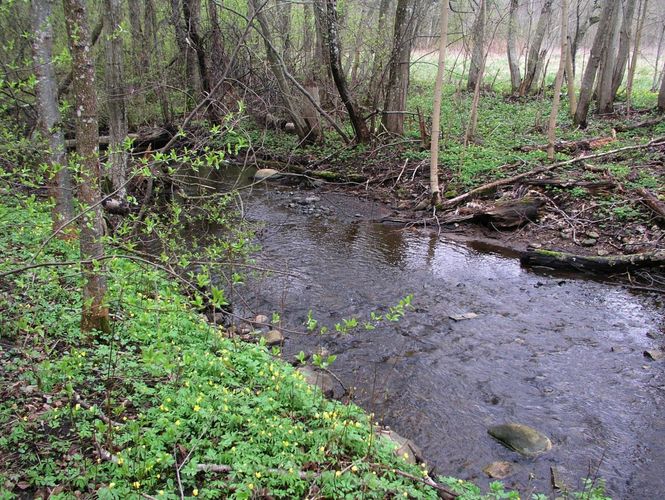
(444, 492)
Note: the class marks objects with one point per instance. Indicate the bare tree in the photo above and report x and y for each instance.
(535, 54)
(559, 80)
(661, 94)
(60, 188)
(95, 313)
(116, 98)
(600, 43)
(478, 49)
(436, 112)
(513, 57)
(642, 14)
(331, 38)
(625, 38)
(608, 59)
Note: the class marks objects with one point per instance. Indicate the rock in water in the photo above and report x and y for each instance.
(521, 438)
(404, 448)
(266, 173)
(499, 470)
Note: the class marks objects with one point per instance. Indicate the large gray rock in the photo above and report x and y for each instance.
(319, 379)
(266, 173)
(521, 438)
(404, 447)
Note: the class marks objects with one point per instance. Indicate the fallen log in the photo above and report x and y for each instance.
(652, 201)
(574, 146)
(503, 214)
(154, 138)
(658, 141)
(632, 126)
(591, 263)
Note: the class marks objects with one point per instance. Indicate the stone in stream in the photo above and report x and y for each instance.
(499, 470)
(654, 354)
(266, 173)
(404, 447)
(273, 337)
(261, 320)
(319, 379)
(521, 438)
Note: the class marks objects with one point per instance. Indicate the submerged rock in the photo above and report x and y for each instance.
(319, 379)
(266, 173)
(499, 470)
(404, 447)
(521, 438)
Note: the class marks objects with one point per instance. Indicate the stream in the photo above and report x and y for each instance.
(562, 354)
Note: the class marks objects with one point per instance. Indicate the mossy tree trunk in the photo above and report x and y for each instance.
(95, 314)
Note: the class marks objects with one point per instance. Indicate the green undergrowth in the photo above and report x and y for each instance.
(142, 410)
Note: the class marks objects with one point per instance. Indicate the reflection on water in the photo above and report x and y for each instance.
(561, 355)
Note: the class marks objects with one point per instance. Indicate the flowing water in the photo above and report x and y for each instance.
(559, 353)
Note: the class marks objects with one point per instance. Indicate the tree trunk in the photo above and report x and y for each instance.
(636, 49)
(625, 37)
(60, 187)
(332, 42)
(582, 28)
(116, 98)
(191, 10)
(513, 58)
(478, 50)
(139, 55)
(436, 112)
(152, 46)
(379, 56)
(398, 77)
(597, 50)
(535, 55)
(570, 80)
(95, 313)
(279, 72)
(551, 136)
(661, 94)
(659, 51)
(605, 98)
(184, 49)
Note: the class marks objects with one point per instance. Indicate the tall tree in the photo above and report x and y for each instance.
(559, 80)
(115, 89)
(632, 66)
(513, 57)
(608, 61)
(478, 46)
(625, 39)
(534, 60)
(400, 62)
(600, 43)
(436, 112)
(661, 94)
(95, 313)
(60, 187)
(331, 37)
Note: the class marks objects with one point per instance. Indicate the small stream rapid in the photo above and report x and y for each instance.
(561, 354)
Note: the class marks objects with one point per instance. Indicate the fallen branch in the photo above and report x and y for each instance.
(574, 146)
(658, 141)
(570, 183)
(633, 126)
(591, 263)
(652, 201)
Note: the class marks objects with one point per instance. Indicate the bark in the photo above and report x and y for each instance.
(331, 38)
(216, 44)
(625, 38)
(436, 112)
(551, 133)
(191, 10)
(116, 98)
(570, 81)
(95, 314)
(535, 54)
(600, 43)
(139, 54)
(605, 98)
(398, 76)
(636, 48)
(96, 32)
(478, 50)
(184, 48)
(582, 25)
(379, 58)
(589, 263)
(284, 28)
(60, 187)
(513, 57)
